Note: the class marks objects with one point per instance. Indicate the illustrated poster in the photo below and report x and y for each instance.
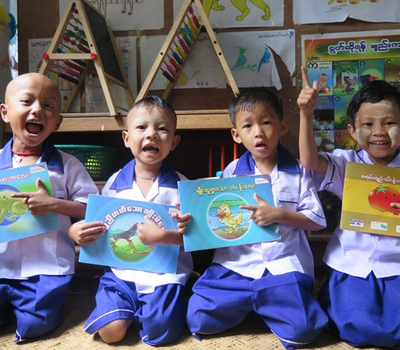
(216, 219)
(342, 63)
(368, 192)
(16, 221)
(120, 246)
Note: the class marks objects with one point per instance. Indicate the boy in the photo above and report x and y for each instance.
(274, 279)
(35, 271)
(153, 303)
(361, 294)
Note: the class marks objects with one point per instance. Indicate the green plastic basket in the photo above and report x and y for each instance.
(98, 160)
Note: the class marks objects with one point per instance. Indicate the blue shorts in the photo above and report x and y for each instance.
(159, 316)
(223, 298)
(363, 311)
(38, 303)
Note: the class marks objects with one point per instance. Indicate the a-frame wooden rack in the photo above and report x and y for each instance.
(183, 36)
(78, 50)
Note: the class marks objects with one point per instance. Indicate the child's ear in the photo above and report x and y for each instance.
(235, 136)
(60, 119)
(352, 131)
(175, 141)
(3, 111)
(125, 138)
(284, 127)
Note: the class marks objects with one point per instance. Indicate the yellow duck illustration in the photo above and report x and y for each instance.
(224, 212)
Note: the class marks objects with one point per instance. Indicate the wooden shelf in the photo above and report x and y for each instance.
(187, 120)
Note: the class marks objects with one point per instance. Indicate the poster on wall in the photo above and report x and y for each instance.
(241, 13)
(341, 63)
(330, 11)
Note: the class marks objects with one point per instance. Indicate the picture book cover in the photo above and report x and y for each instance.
(120, 245)
(216, 217)
(370, 70)
(16, 221)
(368, 192)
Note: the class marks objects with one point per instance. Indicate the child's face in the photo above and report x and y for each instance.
(260, 131)
(377, 130)
(32, 108)
(151, 134)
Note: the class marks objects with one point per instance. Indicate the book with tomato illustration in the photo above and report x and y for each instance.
(216, 217)
(368, 192)
(120, 245)
(16, 221)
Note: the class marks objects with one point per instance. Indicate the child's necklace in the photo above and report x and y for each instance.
(18, 155)
(146, 178)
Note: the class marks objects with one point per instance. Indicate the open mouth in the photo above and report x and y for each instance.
(151, 149)
(34, 127)
(260, 145)
(379, 143)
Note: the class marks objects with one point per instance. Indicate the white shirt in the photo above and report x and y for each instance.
(164, 191)
(351, 252)
(293, 189)
(51, 253)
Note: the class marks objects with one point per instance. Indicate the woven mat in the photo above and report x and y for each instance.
(251, 334)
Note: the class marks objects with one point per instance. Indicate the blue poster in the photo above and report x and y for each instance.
(216, 217)
(120, 246)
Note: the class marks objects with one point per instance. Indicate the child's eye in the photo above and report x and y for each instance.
(140, 127)
(26, 101)
(390, 123)
(267, 122)
(246, 126)
(48, 105)
(367, 124)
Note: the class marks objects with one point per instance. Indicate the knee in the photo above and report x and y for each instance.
(115, 331)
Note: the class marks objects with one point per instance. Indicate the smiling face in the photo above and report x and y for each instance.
(150, 136)
(32, 108)
(260, 129)
(377, 130)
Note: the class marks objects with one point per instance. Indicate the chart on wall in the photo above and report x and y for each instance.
(341, 63)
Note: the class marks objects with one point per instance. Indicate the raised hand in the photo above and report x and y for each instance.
(308, 97)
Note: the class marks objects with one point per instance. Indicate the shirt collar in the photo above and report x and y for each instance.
(287, 162)
(124, 180)
(50, 155)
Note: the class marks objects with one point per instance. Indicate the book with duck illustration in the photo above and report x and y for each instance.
(216, 217)
(16, 221)
(120, 245)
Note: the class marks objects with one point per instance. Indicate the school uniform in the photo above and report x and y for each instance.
(274, 279)
(35, 271)
(154, 302)
(361, 294)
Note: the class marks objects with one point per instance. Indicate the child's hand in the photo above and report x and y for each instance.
(149, 233)
(308, 97)
(85, 233)
(183, 220)
(39, 202)
(263, 214)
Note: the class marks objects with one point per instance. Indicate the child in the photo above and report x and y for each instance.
(153, 303)
(361, 294)
(274, 279)
(35, 271)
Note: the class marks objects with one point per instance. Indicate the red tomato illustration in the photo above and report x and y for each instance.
(381, 197)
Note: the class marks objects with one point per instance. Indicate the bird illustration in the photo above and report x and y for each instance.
(265, 58)
(242, 59)
(224, 212)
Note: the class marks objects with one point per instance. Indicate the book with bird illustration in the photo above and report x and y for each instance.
(368, 193)
(16, 221)
(217, 219)
(120, 245)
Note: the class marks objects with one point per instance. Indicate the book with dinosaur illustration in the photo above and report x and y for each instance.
(217, 219)
(120, 245)
(368, 193)
(16, 221)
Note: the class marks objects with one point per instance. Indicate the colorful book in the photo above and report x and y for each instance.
(216, 217)
(368, 192)
(120, 246)
(16, 221)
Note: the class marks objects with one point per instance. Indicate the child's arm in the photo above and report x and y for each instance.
(85, 233)
(41, 202)
(307, 101)
(151, 234)
(265, 214)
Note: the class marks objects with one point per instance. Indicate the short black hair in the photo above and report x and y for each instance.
(155, 101)
(248, 98)
(372, 91)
